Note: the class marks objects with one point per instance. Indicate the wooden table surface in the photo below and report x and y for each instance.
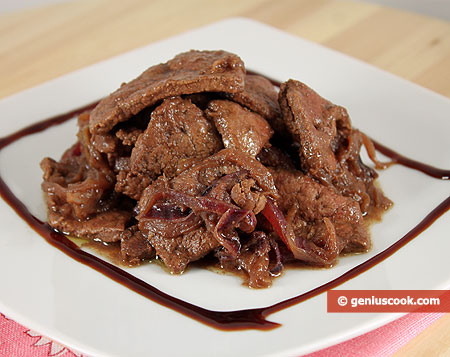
(40, 44)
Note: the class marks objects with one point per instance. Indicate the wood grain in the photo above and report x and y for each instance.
(432, 342)
(40, 44)
(44, 43)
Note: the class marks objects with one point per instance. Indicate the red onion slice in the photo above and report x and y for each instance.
(171, 224)
(302, 249)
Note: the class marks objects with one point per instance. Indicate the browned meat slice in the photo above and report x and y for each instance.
(177, 237)
(106, 226)
(240, 128)
(134, 247)
(89, 152)
(177, 136)
(72, 189)
(129, 136)
(79, 201)
(329, 147)
(322, 220)
(260, 96)
(312, 121)
(245, 195)
(128, 132)
(187, 73)
(178, 252)
(130, 184)
(79, 192)
(199, 177)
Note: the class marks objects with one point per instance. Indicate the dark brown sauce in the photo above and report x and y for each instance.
(412, 164)
(224, 320)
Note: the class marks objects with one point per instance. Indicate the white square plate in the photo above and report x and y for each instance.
(79, 307)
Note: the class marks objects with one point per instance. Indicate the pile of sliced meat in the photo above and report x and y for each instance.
(197, 158)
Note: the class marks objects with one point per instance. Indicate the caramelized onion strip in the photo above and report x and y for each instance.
(169, 226)
(278, 266)
(302, 249)
(371, 151)
(231, 216)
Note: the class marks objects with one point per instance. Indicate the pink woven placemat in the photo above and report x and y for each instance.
(19, 341)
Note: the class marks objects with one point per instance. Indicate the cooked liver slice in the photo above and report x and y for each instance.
(196, 179)
(328, 145)
(240, 128)
(260, 96)
(187, 73)
(79, 200)
(72, 189)
(134, 247)
(177, 136)
(178, 252)
(308, 203)
(312, 121)
(105, 226)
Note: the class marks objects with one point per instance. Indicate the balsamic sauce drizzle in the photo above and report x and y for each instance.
(223, 320)
(412, 164)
